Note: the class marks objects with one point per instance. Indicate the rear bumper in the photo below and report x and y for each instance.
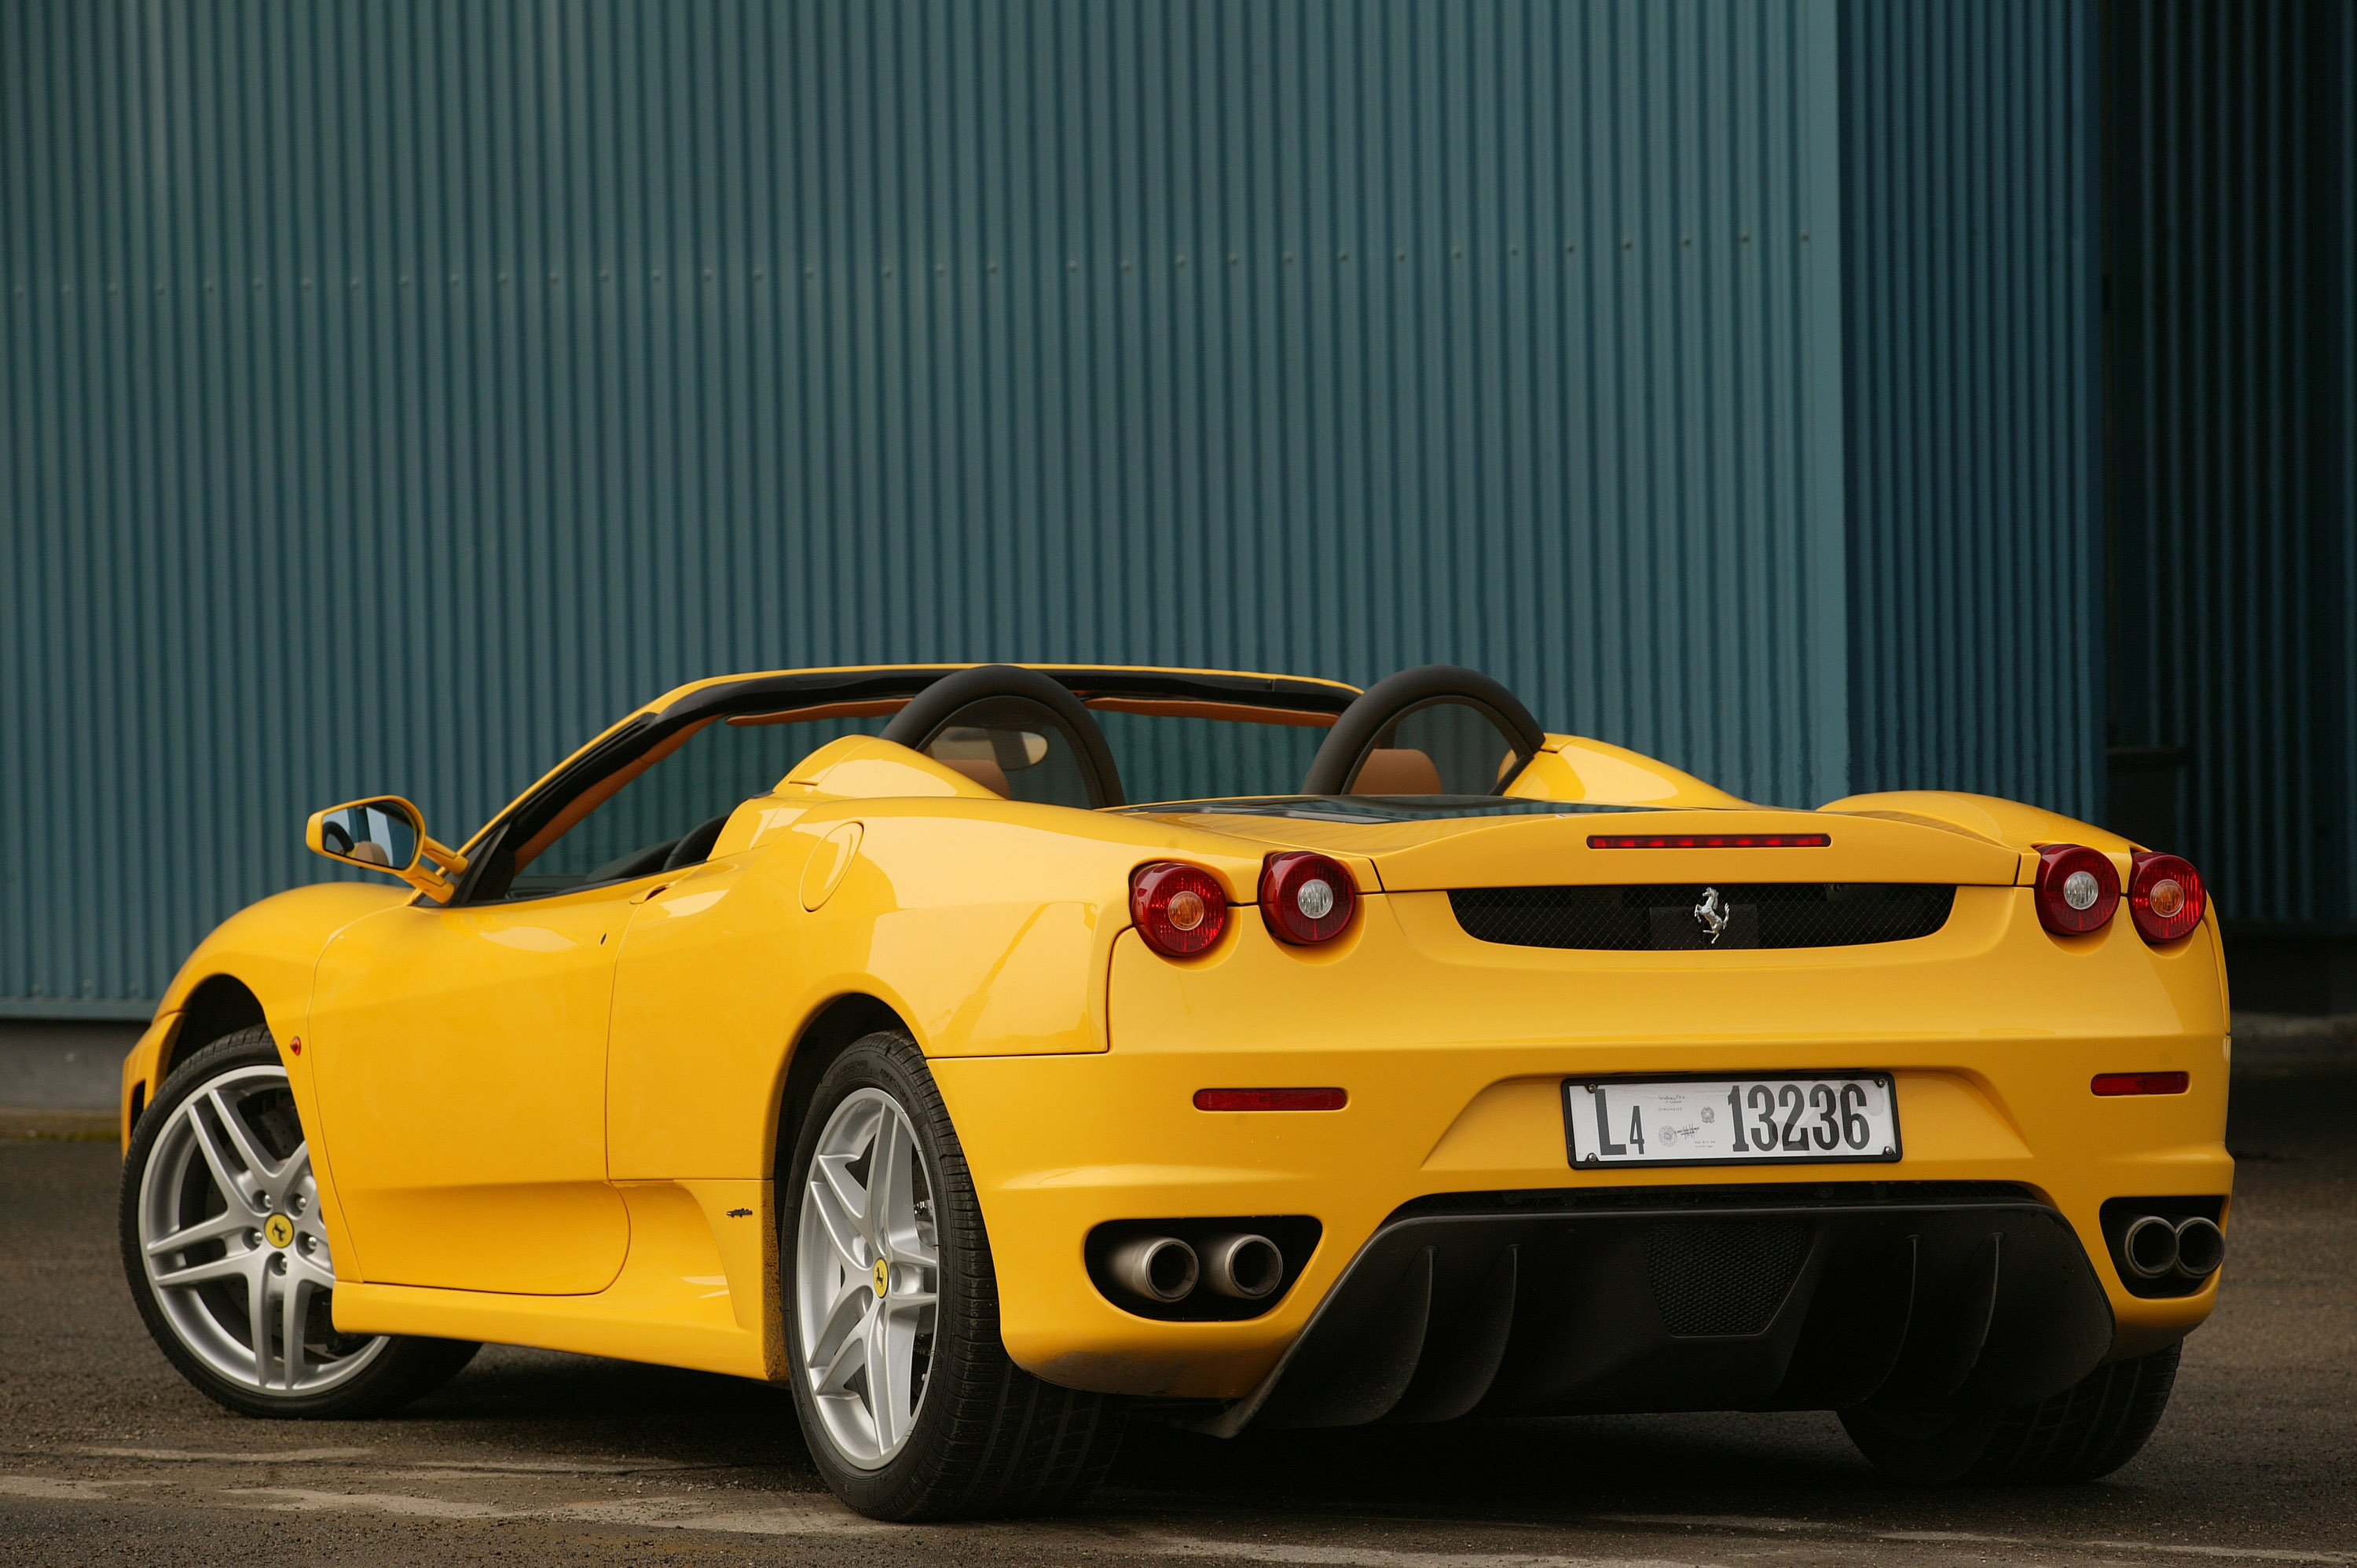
(1454, 1053)
(1766, 1298)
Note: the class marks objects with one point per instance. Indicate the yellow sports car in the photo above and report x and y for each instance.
(853, 1028)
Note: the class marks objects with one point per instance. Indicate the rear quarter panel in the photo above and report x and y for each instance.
(987, 926)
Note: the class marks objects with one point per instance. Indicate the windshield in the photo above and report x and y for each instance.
(665, 809)
(679, 795)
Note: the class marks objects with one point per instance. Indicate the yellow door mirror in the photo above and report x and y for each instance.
(385, 832)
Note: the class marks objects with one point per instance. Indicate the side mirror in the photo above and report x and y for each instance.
(385, 834)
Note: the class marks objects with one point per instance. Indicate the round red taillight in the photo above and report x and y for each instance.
(2078, 888)
(1178, 909)
(2165, 895)
(1305, 898)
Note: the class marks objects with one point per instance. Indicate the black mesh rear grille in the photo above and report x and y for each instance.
(1662, 916)
(1722, 1276)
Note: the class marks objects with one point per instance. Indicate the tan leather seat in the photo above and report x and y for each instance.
(1396, 771)
(372, 854)
(982, 771)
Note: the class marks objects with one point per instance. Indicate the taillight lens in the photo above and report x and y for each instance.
(1178, 909)
(1305, 898)
(2165, 895)
(2078, 888)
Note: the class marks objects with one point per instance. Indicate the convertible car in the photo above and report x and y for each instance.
(996, 1054)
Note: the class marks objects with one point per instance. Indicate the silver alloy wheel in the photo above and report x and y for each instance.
(230, 1228)
(867, 1278)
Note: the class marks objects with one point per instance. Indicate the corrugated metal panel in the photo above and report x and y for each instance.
(1971, 374)
(2340, 848)
(394, 392)
(2233, 530)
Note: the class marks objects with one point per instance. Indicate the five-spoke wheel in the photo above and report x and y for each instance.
(907, 1400)
(226, 1255)
(867, 1273)
(230, 1233)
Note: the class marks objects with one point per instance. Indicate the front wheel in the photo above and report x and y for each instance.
(227, 1257)
(2086, 1432)
(911, 1405)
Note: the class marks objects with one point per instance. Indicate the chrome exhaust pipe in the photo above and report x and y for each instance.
(2148, 1250)
(1157, 1268)
(1245, 1267)
(2200, 1248)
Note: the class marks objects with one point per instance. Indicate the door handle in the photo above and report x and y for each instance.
(642, 897)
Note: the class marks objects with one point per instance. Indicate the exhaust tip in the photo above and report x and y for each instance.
(1245, 1267)
(2200, 1248)
(2148, 1250)
(1158, 1268)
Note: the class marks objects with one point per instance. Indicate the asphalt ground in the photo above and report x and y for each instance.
(529, 1456)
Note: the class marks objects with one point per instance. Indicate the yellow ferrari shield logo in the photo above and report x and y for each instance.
(883, 1276)
(279, 1230)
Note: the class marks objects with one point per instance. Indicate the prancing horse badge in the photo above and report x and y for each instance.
(1712, 915)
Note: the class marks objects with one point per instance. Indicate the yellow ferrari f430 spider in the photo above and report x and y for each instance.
(856, 1030)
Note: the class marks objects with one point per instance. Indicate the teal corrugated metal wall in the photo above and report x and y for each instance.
(394, 392)
(2234, 287)
(1973, 386)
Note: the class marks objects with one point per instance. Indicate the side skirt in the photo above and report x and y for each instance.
(694, 1289)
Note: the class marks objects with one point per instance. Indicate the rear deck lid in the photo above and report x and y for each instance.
(1433, 843)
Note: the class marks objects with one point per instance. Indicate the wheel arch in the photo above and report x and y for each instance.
(218, 1006)
(840, 1021)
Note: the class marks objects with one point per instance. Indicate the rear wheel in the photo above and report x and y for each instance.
(2087, 1431)
(227, 1256)
(910, 1406)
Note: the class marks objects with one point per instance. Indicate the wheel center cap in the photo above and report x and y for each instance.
(278, 1231)
(883, 1279)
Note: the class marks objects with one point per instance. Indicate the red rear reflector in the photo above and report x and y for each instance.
(1270, 1099)
(2142, 1082)
(1708, 841)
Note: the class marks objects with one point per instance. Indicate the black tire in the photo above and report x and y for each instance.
(987, 1438)
(400, 1369)
(2087, 1431)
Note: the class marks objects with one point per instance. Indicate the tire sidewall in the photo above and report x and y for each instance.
(365, 1390)
(891, 1063)
(1923, 1447)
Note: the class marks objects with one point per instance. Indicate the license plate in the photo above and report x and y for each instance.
(1731, 1120)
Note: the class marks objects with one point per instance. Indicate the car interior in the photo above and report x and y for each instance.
(1437, 731)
